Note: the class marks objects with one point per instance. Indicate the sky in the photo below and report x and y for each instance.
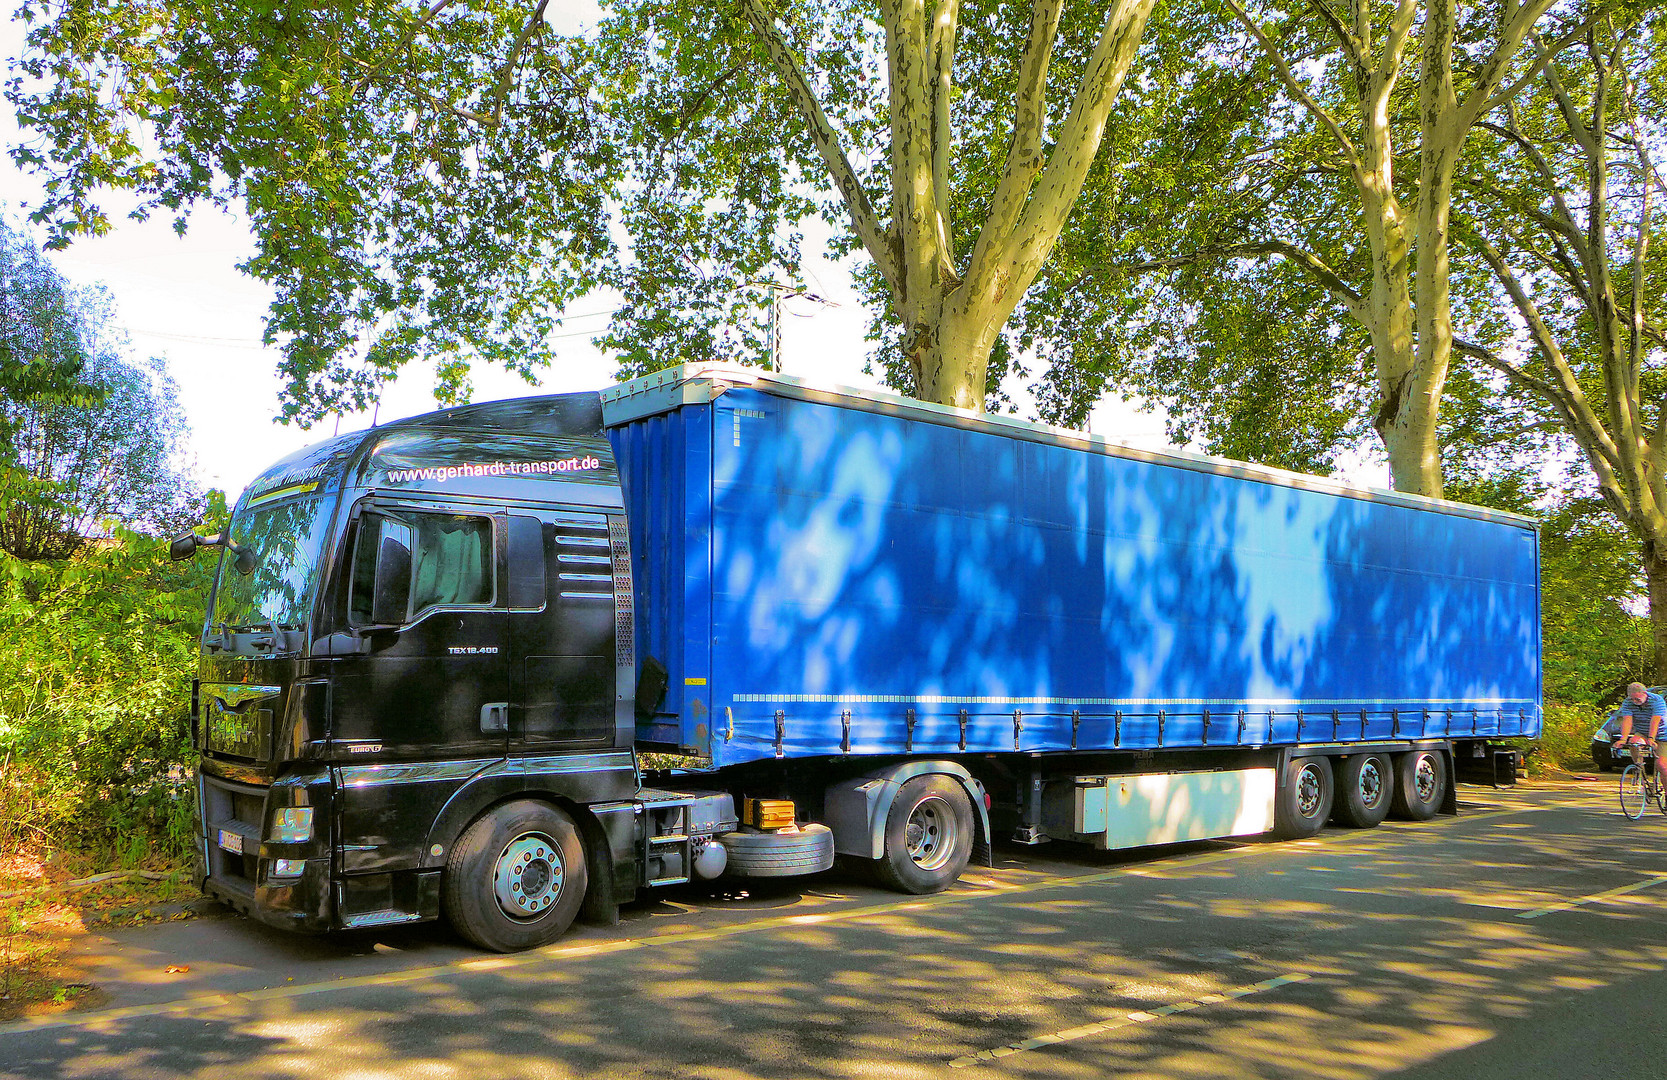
(182, 299)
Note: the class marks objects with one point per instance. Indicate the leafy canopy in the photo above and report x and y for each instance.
(92, 437)
(442, 180)
(432, 182)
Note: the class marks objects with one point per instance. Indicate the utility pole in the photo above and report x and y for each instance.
(775, 326)
(779, 293)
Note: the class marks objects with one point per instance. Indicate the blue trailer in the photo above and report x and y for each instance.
(877, 573)
(831, 576)
(440, 653)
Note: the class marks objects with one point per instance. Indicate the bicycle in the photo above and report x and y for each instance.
(1640, 784)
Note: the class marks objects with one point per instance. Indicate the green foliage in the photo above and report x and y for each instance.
(97, 627)
(94, 699)
(1566, 739)
(41, 357)
(109, 455)
(1590, 596)
(1594, 636)
(441, 181)
(436, 181)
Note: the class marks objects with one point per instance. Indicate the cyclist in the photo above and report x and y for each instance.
(1648, 710)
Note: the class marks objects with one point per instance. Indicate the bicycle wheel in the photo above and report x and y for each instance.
(1632, 792)
(1659, 789)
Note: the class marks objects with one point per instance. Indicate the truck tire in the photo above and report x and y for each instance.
(929, 835)
(515, 878)
(1365, 789)
(1303, 802)
(778, 854)
(1420, 784)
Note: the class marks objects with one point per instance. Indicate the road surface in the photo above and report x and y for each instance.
(1522, 939)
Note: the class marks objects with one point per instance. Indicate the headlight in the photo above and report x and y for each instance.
(292, 825)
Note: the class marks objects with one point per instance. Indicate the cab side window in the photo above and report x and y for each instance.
(451, 560)
(364, 574)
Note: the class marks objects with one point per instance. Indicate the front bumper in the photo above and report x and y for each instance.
(301, 904)
(239, 867)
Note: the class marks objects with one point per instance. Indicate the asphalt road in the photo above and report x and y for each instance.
(1522, 939)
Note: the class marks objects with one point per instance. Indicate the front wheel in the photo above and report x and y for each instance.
(516, 877)
(1420, 785)
(928, 836)
(1633, 792)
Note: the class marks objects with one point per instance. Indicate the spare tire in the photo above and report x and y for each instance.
(809, 850)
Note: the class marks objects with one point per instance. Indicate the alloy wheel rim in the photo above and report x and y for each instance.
(528, 876)
(1308, 791)
(930, 834)
(1371, 785)
(1424, 779)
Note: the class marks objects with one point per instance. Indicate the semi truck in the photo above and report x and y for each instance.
(510, 663)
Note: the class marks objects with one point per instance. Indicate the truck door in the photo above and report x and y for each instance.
(561, 631)
(425, 705)
(432, 681)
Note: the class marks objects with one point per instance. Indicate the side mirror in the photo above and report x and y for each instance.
(391, 595)
(243, 560)
(183, 547)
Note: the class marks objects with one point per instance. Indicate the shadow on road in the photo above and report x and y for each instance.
(1410, 937)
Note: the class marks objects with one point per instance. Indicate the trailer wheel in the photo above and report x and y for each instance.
(1304, 800)
(929, 834)
(1365, 788)
(1420, 784)
(516, 877)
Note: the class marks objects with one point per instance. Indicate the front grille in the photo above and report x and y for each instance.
(235, 721)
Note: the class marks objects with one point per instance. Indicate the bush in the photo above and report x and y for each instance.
(1566, 742)
(95, 699)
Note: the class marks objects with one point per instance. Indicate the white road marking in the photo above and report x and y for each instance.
(1142, 1016)
(1595, 898)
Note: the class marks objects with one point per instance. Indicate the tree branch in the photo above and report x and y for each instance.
(876, 239)
(1597, 454)
(1024, 150)
(1077, 143)
(506, 77)
(1290, 80)
(913, 202)
(1584, 423)
(1304, 258)
(945, 30)
(1497, 62)
(1345, 37)
(1510, 132)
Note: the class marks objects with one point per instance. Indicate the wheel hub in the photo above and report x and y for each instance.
(1424, 779)
(1308, 792)
(929, 837)
(1371, 785)
(527, 877)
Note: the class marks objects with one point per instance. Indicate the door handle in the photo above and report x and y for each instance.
(494, 718)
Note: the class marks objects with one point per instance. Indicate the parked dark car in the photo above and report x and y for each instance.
(1604, 737)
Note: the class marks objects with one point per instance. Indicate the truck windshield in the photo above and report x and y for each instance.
(285, 539)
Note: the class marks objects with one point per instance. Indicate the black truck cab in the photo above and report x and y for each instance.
(411, 625)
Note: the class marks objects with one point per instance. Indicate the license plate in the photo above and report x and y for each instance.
(231, 842)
